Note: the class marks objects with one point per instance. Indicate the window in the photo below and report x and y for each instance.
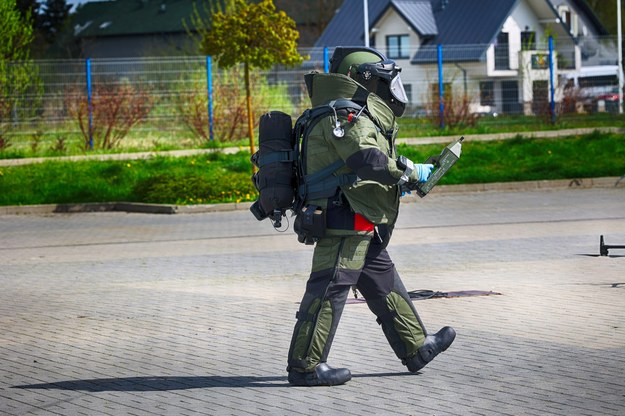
(540, 92)
(566, 17)
(502, 52)
(510, 98)
(528, 41)
(487, 93)
(398, 46)
(598, 81)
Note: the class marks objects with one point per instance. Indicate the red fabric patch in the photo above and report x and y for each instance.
(362, 224)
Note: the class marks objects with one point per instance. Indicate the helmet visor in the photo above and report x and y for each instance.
(397, 90)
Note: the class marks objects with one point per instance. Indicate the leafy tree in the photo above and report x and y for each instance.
(27, 8)
(311, 16)
(16, 34)
(256, 35)
(55, 35)
(50, 21)
(201, 18)
(18, 75)
(54, 18)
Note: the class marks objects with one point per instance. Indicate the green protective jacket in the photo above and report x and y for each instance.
(367, 147)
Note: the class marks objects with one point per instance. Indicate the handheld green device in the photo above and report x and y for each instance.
(442, 163)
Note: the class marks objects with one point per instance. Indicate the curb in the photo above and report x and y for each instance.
(133, 207)
(87, 207)
(117, 156)
(129, 207)
(543, 134)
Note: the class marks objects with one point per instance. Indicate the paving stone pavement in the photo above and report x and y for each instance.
(190, 314)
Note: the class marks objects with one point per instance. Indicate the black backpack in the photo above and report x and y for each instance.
(281, 179)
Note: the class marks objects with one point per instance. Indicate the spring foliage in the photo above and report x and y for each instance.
(255, 35)
(252, 33)
(18, 75)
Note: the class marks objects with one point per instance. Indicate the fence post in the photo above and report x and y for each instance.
(89, 102)
(441, 92)
(326, 66)
(552, 104)
(209, 87)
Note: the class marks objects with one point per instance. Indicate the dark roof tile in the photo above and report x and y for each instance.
(418, 14)
(347, 26)
(468, 25)
(131, 17)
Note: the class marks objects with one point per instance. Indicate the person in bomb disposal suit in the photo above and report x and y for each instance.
(359, 218)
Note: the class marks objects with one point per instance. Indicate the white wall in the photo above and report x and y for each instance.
(391, 24)
(421, 77)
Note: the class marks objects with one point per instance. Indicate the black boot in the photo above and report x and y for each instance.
(323, 375)
(434, 345)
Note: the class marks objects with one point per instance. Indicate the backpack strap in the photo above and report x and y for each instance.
(277, 156)
(321, 184)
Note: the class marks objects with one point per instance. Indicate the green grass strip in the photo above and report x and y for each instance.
(216, 178)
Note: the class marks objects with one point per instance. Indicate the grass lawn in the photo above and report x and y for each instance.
(216, 177)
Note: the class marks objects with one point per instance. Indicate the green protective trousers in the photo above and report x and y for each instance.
(338, 264)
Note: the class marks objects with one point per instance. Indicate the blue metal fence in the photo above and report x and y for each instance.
(175, 82)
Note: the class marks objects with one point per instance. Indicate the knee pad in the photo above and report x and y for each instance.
(400, 324)
(316, 325)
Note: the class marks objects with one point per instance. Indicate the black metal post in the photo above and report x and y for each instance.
(603, 248)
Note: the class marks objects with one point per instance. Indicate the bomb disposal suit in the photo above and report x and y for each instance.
(358, 218)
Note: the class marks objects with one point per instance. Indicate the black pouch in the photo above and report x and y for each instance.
(382, 235)
(310, 224)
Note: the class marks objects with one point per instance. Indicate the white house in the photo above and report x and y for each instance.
(495, 52)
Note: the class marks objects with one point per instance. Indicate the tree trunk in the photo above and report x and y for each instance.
(250, 115)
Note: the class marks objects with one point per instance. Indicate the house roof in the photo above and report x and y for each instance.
(140, 17)
(347, 27)
(589, 13)
(132, 17)
(418, 14)
(471, 25)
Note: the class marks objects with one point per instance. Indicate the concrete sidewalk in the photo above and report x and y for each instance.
(117, 313)
(546, 134)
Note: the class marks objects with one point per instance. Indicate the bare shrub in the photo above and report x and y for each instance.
(115, 109)
(228, 111)
(573, 101)
(229, 105)
(35, 140)
(5, 141)
(456, 112)
(59, 145)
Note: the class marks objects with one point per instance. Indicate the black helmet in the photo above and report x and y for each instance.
(376, 73)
